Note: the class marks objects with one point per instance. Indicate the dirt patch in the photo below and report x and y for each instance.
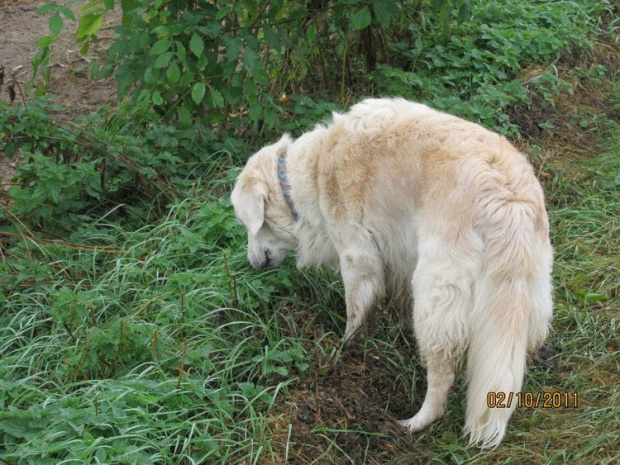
(348, 411)
(69, 84)
(346, 406)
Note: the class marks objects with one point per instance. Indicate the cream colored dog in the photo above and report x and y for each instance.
(399, 196)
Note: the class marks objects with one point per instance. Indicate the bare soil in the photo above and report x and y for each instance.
(20, 28)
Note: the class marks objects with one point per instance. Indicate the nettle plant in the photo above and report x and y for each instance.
(218, 61)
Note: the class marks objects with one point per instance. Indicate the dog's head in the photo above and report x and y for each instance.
(260, 206)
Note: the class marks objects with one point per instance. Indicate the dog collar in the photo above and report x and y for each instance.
(285, 185)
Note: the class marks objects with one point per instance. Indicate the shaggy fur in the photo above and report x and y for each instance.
(401, 197)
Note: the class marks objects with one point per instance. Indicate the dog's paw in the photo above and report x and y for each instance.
(415, 424)
(353, 335)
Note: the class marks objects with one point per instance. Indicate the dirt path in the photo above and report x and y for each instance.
(20, 28)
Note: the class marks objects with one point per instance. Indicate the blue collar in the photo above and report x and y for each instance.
(285, 185)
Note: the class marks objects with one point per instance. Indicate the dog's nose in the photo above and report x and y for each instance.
(257, 264)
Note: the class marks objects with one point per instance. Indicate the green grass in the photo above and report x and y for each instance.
(128, 336)
(163, 349)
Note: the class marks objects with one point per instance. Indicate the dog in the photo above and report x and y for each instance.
(400, 197)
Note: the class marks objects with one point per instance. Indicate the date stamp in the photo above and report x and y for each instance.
(532, 399)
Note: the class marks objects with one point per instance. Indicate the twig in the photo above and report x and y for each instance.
(66, 326)
(182, 367)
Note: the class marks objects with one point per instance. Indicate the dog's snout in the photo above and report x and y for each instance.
(260, 261)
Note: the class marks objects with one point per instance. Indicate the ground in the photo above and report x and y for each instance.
(21, 28)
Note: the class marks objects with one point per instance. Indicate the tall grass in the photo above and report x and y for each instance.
(162, 349)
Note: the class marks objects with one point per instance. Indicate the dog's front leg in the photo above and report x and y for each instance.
(364, 285)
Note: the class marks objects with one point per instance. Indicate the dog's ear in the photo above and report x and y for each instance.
(249, 206)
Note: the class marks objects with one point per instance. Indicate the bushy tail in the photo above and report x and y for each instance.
(513, 278)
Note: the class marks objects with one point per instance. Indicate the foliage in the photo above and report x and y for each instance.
(77, 170)
(476, 73)
(236, 62)
(203, 60)
(125, 349)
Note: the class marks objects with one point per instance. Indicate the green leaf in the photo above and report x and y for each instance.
(594, 297)
(56, 23)
(217, 98)
(212, 29)
(45, 41)
(174, 73)
(361, 19)
(198, 92)
(90, 24)
(311, 32)
(162, 60)
(66, 12)
(196, 45)
(127, 7)
(256, 109)
(385, 11)
(149, 77)
(124, 79)
(222, 13)
(160, 47)
(185, 117)
(271, 37)
(233, 48)
(47, 8)
(187, 77)
(419, 45)
(156, 98)
(255, 67)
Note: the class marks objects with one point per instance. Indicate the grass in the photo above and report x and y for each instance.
(163, 348)
(159, 346)
(156, 344)
(142, 354)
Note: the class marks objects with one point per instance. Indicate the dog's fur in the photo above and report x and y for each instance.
(399, 196)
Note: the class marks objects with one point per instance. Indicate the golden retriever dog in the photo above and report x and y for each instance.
(402, 198)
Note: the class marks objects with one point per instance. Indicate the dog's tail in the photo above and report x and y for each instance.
(511, 311)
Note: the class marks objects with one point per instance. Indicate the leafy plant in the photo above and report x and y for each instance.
(40, 60)
(214, 62)
(476, 73)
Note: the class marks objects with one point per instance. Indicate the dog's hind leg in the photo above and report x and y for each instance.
(442, 286)
(540, 295)
(364, 284)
